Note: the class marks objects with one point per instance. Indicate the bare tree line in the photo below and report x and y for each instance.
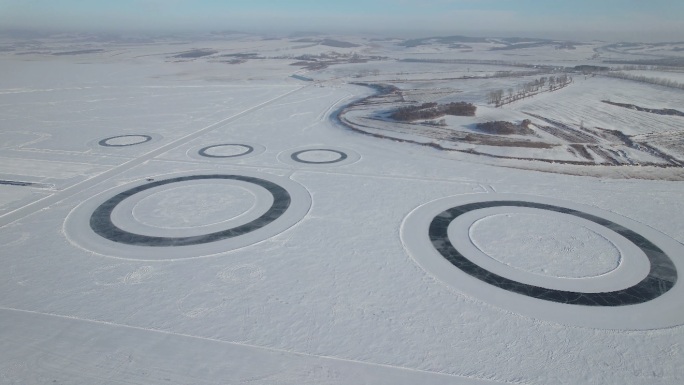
(480, 61)
(645, 79)
(551, 83)
(647, 68)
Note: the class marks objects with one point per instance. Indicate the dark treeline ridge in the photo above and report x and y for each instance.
(79, 52)
(480, 61)
(668, 61)
(664, 111)
(501, 127)
(195, 53)
(590, 68)
(338, 43)
(433, 110)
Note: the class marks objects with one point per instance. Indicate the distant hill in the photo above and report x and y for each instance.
(442, 40)
(507, 43)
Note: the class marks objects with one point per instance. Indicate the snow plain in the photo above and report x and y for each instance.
(334, 292)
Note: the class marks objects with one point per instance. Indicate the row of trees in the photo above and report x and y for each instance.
(644, 79)
(479, 61)
(552, 83)
(432, 111)
(646, 68)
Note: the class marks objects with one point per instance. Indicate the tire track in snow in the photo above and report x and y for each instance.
(256, 347)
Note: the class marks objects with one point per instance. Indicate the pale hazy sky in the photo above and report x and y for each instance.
(631, 19)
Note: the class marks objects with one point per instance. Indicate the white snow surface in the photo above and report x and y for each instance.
(331, 297)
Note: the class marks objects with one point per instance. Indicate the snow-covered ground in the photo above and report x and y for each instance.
(303, 252)
(581, 103)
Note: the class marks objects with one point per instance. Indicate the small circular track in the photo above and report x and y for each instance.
(296, 156)
(205, 150)
(101, 222)
(105, 142)
(660, 279)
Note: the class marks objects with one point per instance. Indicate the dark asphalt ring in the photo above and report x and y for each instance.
(104, 141)
(203, 151)
(101, 221)
(661, 277)
(295, 156)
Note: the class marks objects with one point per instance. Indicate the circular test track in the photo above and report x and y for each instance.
(317, 156)
(101, 219)
(660, 279)
(339, 156)
(225, 152)
(637, 295)
(106, 141)
(206, 151)
(107, 224)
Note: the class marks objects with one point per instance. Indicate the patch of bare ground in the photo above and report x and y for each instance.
(564, 131)
(671, 142)
(581, 150)
(604, 142)
(613, 136)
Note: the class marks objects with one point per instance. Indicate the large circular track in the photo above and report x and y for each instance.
(101, 222)
(187, 215)
(660, 279)
(642, 292)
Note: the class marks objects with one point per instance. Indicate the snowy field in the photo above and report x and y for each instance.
(677, 76)
(196, 222)
(581, 102)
